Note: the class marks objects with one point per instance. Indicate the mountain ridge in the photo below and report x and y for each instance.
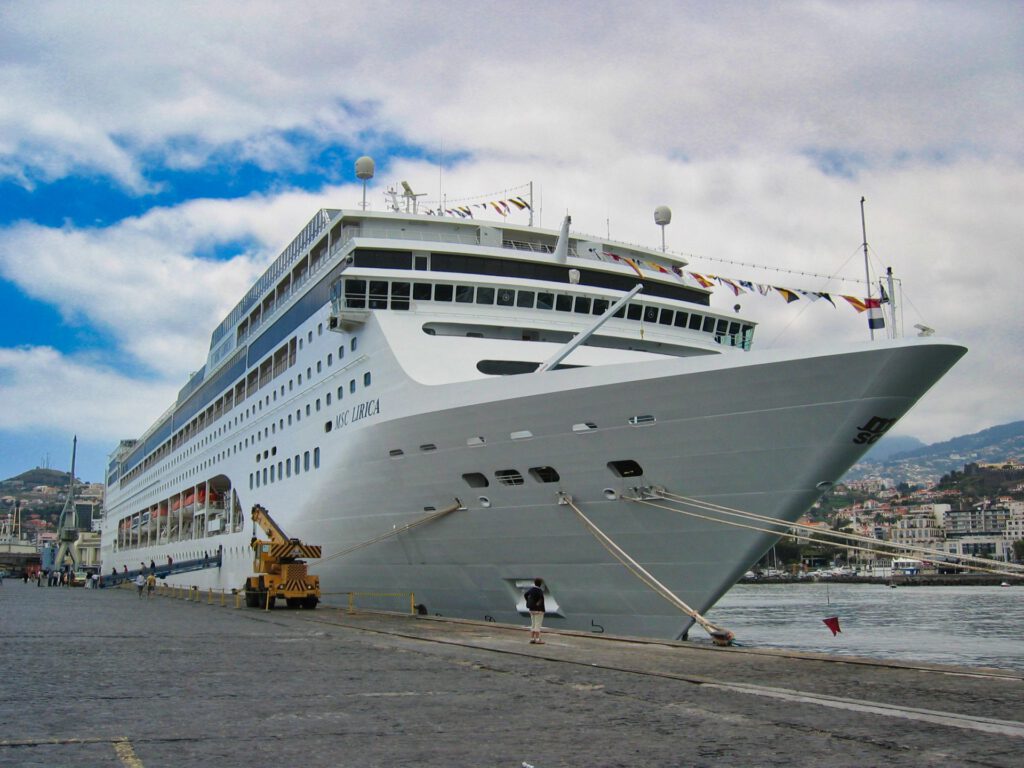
(927, 463)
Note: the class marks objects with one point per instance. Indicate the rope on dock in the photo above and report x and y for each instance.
(967, 562)
(719, 635)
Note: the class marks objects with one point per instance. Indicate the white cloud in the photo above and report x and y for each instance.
(43, 389)
(143, 281)
(714, 109)
(87, 87)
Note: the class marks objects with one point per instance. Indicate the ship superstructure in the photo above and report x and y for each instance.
(390, 365)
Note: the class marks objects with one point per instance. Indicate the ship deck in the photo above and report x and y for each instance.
(168, 681)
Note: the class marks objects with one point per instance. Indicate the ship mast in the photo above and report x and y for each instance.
(867, 269)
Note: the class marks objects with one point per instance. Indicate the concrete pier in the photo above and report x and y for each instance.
(104, 678)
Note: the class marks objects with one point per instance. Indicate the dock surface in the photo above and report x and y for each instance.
(104, 678)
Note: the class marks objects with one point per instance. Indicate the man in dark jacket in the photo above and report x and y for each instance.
(535, 605)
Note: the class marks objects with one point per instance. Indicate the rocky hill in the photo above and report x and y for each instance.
(926, 464)
(39, 476)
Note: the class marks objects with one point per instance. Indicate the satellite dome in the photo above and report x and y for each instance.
(662, 215)
(364, 168)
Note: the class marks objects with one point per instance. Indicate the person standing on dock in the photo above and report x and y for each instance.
(140, 582)
(535, 605)
(150, 584)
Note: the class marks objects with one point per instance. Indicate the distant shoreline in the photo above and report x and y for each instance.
(922, 580)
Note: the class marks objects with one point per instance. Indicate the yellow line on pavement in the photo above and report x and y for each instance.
(125, 753)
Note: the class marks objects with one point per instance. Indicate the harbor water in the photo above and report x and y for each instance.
(970, 626)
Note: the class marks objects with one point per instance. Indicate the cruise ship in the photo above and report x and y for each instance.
(452, 407)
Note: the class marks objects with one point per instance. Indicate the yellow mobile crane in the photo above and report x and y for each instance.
(279, 572)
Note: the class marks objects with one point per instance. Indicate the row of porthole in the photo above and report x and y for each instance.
(251, 410)
(522, 434)
(283, 469)
(512, 477)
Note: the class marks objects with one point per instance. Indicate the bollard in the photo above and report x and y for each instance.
(223, 597)
(209, 596)
(412, 603)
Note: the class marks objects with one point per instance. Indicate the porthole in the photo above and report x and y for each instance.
(476, 479)
(544, 474)
(328, 426)
(610, 494)
(508, 477)
(625, 468)
(396, 452)
(485, 502)
(428, 447)
(642, 421)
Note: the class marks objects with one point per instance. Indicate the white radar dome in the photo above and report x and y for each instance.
(662, 215)
(364, 167)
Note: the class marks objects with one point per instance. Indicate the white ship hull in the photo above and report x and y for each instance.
(765, 432)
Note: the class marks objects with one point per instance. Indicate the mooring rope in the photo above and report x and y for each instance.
(839, 535)
(393, 532)
(967, 562)
(720, 635)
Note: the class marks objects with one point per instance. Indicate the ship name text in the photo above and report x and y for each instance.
(357, 412)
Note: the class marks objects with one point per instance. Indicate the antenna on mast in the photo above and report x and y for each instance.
(364, 171)
(662, 217)
(875, 317)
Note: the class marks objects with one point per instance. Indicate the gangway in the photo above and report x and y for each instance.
(165, 570)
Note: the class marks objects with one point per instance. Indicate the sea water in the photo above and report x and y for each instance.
(970, 626)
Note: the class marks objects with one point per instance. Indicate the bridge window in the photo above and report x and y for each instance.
(400, 295)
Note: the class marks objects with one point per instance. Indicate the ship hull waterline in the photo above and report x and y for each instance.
(765, 434)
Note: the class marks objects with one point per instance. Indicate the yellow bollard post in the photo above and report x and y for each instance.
(412, 603)
(223, 598)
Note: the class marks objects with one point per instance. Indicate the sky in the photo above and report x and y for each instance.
(156, 157)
